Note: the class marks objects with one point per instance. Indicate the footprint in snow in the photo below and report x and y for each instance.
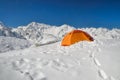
(98, 49)
(58, 65)
(97, 62)
(22, 65)
(92, 55)
(37, 75)
(32, 70)
(102, 74)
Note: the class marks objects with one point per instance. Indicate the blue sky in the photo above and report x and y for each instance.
(78, 13)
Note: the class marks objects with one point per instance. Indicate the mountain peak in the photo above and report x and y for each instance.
(65, 25)
(1, 25)
(33, 24)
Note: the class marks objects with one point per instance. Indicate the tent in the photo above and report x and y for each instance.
(75, 36)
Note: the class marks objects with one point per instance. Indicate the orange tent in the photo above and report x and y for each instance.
(75, 36)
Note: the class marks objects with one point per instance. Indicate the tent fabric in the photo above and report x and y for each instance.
(74, 37)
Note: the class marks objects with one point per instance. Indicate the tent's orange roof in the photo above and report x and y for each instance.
(75, 36)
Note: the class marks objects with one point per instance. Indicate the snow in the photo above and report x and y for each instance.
(12, 43)
(36, 32)
(103, 74)
(40, 56)
(97, 62)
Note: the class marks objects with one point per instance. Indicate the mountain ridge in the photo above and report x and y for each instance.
(41, 34)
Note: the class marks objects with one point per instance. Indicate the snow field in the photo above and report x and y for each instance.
(57, 64)
(51, 62)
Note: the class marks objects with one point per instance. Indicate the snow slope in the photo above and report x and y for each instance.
(97, 60)
(12, 43)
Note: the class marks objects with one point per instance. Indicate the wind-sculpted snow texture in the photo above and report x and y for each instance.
(46, 59)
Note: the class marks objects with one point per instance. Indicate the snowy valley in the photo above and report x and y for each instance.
(34, 52)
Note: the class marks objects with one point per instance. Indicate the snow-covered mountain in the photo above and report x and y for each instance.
(34, 33)
(100, 33)
(41, 34)
(6, 31)
(37, 32)
(10, 40)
